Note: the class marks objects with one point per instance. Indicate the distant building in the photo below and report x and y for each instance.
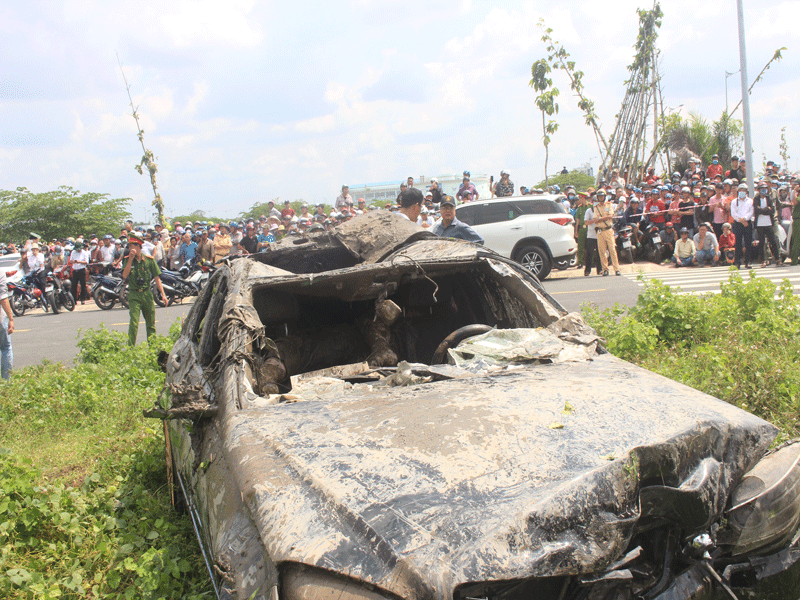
(388, 191)
(586, 169)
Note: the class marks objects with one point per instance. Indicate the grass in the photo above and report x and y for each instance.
(741, 345)
(85, 509)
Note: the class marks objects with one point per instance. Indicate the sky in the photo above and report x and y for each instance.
(245, 101)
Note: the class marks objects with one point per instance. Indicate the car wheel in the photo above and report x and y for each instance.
(535, 260)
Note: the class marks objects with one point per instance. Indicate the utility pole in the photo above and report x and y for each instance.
(748, 150)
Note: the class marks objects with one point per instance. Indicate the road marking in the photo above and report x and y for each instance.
(577, 292)
(128, 323)
(20, 330)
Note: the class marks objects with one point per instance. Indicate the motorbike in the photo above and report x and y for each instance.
(197, 271)
(624, 240)
(176, 288)
(107, 290)
(23, 294)
(652, 248)
(61, 290)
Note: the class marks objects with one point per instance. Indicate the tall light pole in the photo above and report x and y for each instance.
(748, 150)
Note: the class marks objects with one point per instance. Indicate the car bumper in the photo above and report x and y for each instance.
(773, 577)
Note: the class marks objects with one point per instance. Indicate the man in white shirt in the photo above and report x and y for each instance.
(107, 249)
(590, 249)
(410, 204)
(742, 213)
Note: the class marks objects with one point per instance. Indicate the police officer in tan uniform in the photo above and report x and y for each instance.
(604, 225)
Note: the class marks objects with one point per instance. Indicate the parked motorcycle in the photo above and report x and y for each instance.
(624, 241)
(652, 248)
(61, 291)
(107, 290)
(23, 294)
(197, 271)
(176, 288)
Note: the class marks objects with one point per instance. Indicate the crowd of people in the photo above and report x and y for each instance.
(703, 215)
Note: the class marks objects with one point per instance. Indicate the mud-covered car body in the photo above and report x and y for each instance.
(548, 470)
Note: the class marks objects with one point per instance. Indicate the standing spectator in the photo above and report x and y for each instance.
(107, 249)
(222, 243)
(409, 183)
(249, 243)
(656, 209)
(188, 249)
(403, 188)
(684, 250)
(236, 237)
(504, 187)
(435, 190)
(341, 199)
(719, 209)
(590, 252)
(449, 226)
(139, 271)
(604, 225)
(158, 248)
(467, 190)
(410, 204)
(174, 252)
(6, 329)
(580, 226)
(714, 168)
(764, 215)
(287, 210)
(795, 202)
(79, 260)
(205, 248)
(742, 215)
(686, 207)
(425, 219)
(273, 211)
(56, 258)
(736, 171)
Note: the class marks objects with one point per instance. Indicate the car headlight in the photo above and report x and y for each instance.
(765, 507)
(301, 582)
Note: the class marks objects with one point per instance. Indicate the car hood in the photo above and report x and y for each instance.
(542, 471)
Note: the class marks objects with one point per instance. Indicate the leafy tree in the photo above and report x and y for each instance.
(581, 181)
(262, 208)
(546, 102)
(696, 137)
(60, 213)
(784, 149)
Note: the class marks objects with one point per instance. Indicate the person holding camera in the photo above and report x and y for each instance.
(139, 271)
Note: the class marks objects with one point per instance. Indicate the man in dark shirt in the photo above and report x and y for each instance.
(686, 211)
(450, 226)
(249, 243)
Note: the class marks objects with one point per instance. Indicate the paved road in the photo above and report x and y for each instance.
(572, 290)
(39, 335)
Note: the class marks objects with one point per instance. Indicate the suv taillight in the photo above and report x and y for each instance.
(561, 220)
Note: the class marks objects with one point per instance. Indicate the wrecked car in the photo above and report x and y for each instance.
(375, 412)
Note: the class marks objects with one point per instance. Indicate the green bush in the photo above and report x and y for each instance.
(84, 502)
(741, 345)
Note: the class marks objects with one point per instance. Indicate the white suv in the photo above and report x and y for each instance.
(536, 231)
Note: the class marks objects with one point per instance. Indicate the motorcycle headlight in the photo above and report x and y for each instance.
(301, 582)
(765, 507)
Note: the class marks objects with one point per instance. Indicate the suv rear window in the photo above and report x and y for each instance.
(491, 212)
